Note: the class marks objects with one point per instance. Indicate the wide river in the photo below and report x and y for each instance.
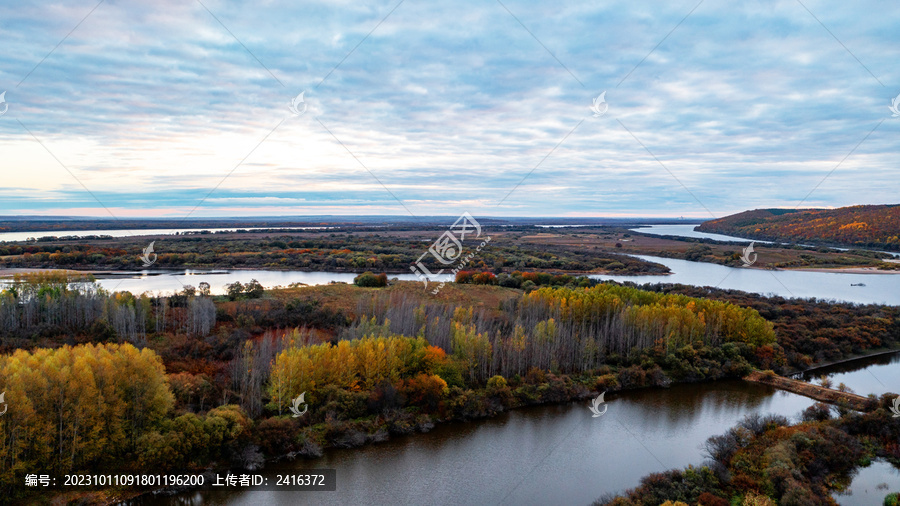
(688, 231)
(542, 455)
(560, 454)
(879, 288)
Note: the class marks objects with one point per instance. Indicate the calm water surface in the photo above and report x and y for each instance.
(540, 455)
(868, 485)
(688, 231)
(873, 375)
(169, 281)
(560, 454)
(880, 288)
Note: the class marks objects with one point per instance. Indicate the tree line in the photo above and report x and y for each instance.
(332, 252)
(55, 304)
(569, 331)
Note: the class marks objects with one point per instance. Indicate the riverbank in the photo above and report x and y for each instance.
(388, 462)
(380, 429)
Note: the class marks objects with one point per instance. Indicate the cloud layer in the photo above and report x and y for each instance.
(172, 107)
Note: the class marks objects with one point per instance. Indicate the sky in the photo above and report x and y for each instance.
(182, 108)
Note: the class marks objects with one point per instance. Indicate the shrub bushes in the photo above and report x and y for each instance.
(367, 279)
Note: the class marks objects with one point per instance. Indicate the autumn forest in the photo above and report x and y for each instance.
(100, 381)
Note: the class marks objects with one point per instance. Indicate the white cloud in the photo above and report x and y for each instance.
(748, 105)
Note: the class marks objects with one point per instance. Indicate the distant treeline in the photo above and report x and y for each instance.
(332, 252)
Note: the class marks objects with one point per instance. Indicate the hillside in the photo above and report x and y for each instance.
(875, 226)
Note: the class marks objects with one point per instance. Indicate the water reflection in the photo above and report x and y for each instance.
(878, 289)
(540, 455)
(871, 375)
(870, 485)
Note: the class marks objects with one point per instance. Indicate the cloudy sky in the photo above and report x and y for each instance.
(177, 107)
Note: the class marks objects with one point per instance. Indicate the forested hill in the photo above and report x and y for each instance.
(860, 226)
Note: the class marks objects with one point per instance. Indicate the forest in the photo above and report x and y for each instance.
(871, 226)
(99, 381)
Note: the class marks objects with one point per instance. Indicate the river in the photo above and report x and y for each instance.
(688, 231)
(871, 375)
(879, 288)
(169, 281)
(559, 454)
(541, 455)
